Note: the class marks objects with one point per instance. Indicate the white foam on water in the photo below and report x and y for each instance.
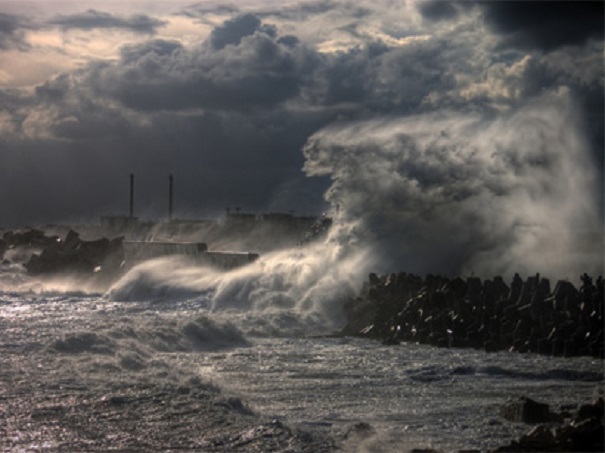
(298, 287)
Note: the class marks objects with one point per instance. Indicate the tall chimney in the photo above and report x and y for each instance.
(131, 195)
(170, 194)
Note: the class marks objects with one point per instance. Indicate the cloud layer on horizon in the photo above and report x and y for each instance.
(92, 19)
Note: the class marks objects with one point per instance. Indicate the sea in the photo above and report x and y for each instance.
(136, 363)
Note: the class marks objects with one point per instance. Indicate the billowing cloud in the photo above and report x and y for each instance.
(436, 10)
(246, 66)
(93, 19)
(202, 10)
(233, 31)
(12, 31)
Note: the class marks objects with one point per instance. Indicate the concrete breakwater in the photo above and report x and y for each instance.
(103, 259)
(137, 251)
(525, 316)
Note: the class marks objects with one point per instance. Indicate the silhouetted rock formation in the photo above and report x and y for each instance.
(17, 246)
(526, 410)
(581, 431)
(72, 255)
(106, 259)
(26, 238)
(490, 315)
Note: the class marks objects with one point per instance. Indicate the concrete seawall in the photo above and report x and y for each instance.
(143, 250)
(226, 260)
(137, 251)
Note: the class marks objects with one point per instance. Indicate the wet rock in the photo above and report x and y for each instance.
(539, 438)
(582, 432)
(525, 410)
(592, 410)
(484, 315)
(583, 435)
(360, 430)
(72, 255)
(237, 405)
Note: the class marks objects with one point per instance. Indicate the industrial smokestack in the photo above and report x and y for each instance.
(131, 195)
(170, 193)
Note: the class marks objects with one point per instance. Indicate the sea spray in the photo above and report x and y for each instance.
(456, 193)
(293, 291)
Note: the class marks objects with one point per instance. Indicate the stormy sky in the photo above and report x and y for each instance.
(435, 108)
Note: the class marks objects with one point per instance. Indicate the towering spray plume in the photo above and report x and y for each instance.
(442, 192)
(453, 193)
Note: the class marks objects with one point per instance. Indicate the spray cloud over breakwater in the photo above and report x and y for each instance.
(456, 193)
(291, 291)
(440, 192)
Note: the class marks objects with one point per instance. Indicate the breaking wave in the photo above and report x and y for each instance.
(293, 290)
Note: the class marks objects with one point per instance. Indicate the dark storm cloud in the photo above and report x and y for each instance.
(54, 90)
(211, 116)
(12, 30)
(545, 25)
(93, 19)
(565, 41)
(233, 30)
(292, 12)
(201, 11)
(230, 116)
(436, 10)
(244, 65)
(304, 11)
(377, 79)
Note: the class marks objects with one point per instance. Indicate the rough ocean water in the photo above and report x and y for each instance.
(175, 357)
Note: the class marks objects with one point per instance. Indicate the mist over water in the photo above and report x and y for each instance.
(458, 193)
(293, 291)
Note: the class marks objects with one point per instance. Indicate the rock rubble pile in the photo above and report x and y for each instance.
(77, 256)
(525, 316)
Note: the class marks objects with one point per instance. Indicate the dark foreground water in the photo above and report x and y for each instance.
(85, 372)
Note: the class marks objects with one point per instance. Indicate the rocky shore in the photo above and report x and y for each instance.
(42, 254)
(523, 316)
(577, 428)
(571, 429)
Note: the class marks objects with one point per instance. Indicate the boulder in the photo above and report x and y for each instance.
(583, 435)
(525, 410)
(584, 432)
(592, 410)
(28, 238)
(539, 438)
